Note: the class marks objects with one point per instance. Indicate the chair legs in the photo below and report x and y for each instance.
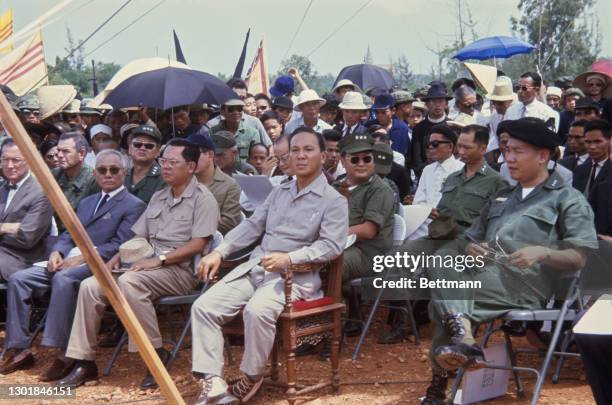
(116, 351)
(366, 327)
(335, 351)
(290, 341)
(179, 343)
(567, 339)
(520, 390)
(274, 363)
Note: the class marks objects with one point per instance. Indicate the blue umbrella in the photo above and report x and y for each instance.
(493, 47)
(367, 76)
(169, 87)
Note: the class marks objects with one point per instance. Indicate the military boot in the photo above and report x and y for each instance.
(436, 392)
(462, 352)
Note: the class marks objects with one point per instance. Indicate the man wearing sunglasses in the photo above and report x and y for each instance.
(370, 213)
(145, 178)
(107, 217)
(232, 111)
(528, 89)
(595, 86)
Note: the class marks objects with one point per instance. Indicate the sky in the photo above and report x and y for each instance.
(212, 31)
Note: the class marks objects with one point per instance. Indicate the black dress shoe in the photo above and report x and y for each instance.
(113, 337)
(352, 329)
(19, 360)
(83, 371)
(305, 349)
(325, 352)
(397, 335)
(58, 370)
(148, 381)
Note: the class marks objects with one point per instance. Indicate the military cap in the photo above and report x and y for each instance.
(90, 111)
(355, 143)
(444, 130)
(147, 130)
(233, 102)
(586, 103)
(532, 131)
(223, 141)
(574, 91)
(201, 141)
(383, 158)
(402, 96)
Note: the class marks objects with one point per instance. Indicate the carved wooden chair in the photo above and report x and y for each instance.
(301, 319)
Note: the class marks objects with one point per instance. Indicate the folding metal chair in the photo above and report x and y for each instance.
(168, 302)
(557, 315)
(399, 234)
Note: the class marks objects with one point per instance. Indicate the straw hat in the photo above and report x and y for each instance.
(502, 91)
(133, 250)
(462, 120)
(352, 100)
(54, 99)
(345, 82)
(306, 96)
(74, 107)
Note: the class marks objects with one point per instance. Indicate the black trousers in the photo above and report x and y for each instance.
(596, 352)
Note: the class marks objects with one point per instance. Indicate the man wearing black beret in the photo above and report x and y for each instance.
(528, 236)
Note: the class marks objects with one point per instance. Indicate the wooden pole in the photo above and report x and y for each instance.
(61, 205)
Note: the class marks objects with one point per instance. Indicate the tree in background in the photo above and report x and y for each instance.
(402, 73)
(566, 33)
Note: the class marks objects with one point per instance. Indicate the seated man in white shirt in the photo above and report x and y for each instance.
(528, 89)
(440, 148)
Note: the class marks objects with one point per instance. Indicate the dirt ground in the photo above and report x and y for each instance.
(383, 375)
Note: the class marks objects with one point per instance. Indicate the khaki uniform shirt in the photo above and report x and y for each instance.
(244, 137)
(227, 193)
(170, 223)
(372, 201)
(148, 185)
(552, 215)
(462, 199)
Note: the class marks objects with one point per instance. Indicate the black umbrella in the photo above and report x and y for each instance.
(169, 87)
(367, 76)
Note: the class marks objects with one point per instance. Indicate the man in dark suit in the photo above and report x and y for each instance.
(597, 168)
(25, 214)
(576, 147)
(352, 108)
(107, 217)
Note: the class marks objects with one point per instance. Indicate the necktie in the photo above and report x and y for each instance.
(524, 111)
(102, 202)
(591, 180)
(10, 187)
(347, 131)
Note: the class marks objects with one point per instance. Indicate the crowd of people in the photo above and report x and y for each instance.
(526, 166)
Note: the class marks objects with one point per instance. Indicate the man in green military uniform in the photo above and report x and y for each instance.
(464, 193)
(539, 229)
(244, 135)
(383, 160)
(74, 177)
(370, 213)
(145, 178)
(226, 155)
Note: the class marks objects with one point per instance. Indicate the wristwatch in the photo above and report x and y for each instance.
(162, 259)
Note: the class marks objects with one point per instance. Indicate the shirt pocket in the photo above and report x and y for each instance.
(538, 224)
(475, 200)
(182, 224)
(153, 216)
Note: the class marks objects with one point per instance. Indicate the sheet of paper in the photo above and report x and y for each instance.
(598, 318)
(415, 216)
(256, 188)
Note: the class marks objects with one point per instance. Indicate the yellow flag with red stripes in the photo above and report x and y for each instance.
(257, 76)
(6, 30)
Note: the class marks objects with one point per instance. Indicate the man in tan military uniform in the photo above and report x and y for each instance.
(178, 222)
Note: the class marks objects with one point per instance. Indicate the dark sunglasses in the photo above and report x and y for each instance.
(595, 84)
(523, 88)
(365, 159)
(469, 106)
(148, 146)
(435, 144)
(234, 109)
(103, 170)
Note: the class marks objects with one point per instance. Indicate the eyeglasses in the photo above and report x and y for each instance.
(140, 145)
(114, 170)
(284, 158)
(595, 84)
(14, 161)
(524, 88)
(435, 144)
(234, 109)
(27, 111)
(169, 162)
(469, 106)
(365, 159)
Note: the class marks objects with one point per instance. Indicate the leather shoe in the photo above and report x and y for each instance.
(19, 360)
(352, 329)
(148, 381)
(305, 349)
(82, 372)
(58, 370)
(113, 337)
(325, 352)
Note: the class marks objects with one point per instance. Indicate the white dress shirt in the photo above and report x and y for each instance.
(535, 109)
(12, 191)
(434, 174)
(110, 196)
